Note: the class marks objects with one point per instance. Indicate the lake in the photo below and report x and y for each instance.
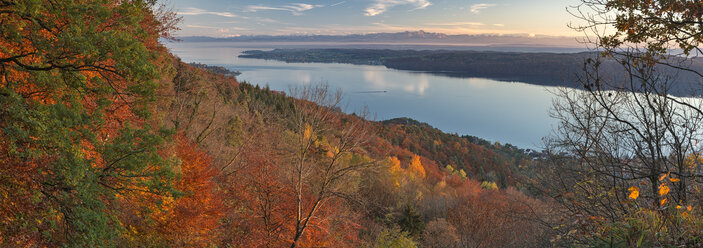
(507, 112)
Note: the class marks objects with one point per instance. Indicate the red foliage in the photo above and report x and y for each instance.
(19, 180)
(259, 206)
(193, 217)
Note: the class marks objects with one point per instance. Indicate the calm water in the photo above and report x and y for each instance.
(508, 112)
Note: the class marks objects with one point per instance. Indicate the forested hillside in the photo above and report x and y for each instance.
(379, 193)
(107, 140)
(465, 155)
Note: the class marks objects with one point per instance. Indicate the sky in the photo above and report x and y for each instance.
(228, 18)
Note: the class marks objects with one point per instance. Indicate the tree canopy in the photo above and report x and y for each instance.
(76, 89)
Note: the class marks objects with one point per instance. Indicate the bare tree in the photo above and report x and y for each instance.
(635, 126)
(326, 152)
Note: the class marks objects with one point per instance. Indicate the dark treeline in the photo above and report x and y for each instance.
(549, 69)
(216, 69)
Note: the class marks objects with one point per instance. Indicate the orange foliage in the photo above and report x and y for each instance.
(194, 216)
(394, 165)
(446, 149)
(187, 220)
(19, 180)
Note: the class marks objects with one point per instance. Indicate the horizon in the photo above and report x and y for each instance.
(222, 19)
(419, 37)
(527, 35)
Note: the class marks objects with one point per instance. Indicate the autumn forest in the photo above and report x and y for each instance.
(107, 139)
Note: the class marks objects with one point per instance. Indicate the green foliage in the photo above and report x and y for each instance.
(65, 64)
(258, 96)
(394, 238)
(234, 132)
(410, 221)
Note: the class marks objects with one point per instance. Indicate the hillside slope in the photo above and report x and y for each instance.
(249, 131)
(108, 140)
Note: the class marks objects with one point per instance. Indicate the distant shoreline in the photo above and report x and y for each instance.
(538, 68)
(547, 69)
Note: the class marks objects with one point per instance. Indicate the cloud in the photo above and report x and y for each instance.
(476, 8)
(196, 11)
(499, 25)
(456, 24)
(381, 6)
(342, 2)
(265, 20)
(220, 29)
(295, 8)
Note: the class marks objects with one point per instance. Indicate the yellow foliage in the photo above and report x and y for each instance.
(661, 178)
(416, 167)
(663, 189)
(395, 169)
(674, 180)
(693, 160)
(489, 185)
(634, 192)
(307, 133)
(395, 165)
(663, 201)
(333, 152)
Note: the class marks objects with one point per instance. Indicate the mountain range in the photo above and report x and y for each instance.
(407, 37)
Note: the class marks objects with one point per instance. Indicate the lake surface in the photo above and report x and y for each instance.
(507, 112)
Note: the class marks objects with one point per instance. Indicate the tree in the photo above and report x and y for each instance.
(76, 90)
(626, 131)
(656, 25)
(192, 219)
(441, 234)
(410, 221)
(416, 168)
(323, 160)
(393, 238)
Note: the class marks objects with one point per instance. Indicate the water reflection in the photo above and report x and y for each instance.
(507, 112)
(301, 76)
(417, 85)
